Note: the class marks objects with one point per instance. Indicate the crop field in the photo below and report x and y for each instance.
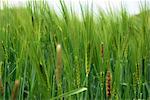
(49, 56)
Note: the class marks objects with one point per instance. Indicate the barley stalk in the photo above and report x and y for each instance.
(77, 72)
(102, 52)
(1, 84)
(137, 73)
(15, 90)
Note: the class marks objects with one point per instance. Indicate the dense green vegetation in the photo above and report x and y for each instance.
(93, 49)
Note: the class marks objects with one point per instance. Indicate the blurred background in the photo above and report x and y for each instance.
(132, 6)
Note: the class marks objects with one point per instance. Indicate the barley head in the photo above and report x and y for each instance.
(108, 83)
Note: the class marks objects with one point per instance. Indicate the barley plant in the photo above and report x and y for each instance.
(46, 55)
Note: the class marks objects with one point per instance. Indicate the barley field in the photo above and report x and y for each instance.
(49, 56)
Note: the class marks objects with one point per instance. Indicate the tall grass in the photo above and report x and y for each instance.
(89, 45)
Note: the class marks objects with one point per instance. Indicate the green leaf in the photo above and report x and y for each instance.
(73, 92)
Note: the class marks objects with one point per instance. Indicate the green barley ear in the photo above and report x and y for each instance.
(137, 80)
(102, 80)
(87, 59)
(137, 73)
(87, 68)
(58, 70)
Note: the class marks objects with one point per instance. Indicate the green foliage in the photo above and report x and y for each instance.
(28, 40)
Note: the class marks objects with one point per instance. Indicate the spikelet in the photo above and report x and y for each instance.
(108, 83)
(137, 73)
(87, 70)
(136, 80)
(78, 77)
(58, 70)
(87, 65)
(102, 80)
(15, 90)
(87, 59)
(114, 92)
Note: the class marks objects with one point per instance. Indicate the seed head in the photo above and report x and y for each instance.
(108, 83)
(58, 70)
(59, 55)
